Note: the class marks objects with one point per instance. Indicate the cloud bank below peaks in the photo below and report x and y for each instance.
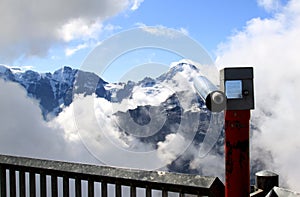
(92, 135)
(272, 45)
(25, 133)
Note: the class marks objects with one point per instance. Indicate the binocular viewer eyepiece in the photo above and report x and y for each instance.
(215, 100)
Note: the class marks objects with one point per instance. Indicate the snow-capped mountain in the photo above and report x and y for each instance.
(169, 97)
(55, 91)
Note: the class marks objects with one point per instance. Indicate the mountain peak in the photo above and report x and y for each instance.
(65, 74)
(184, 64)
(184, 68)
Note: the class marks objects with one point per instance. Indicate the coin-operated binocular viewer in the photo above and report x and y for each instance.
(236, 97)
(237, 84)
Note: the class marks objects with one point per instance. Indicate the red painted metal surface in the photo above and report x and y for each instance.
(237, 153)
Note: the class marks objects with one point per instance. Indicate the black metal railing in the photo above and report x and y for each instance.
(20, 176)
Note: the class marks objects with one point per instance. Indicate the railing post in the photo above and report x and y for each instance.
(90, 188)
(103, 189)
(66, 192)
(12, 182)
(78, 187)
(43, 184)
(118, 190)
(54, 185)
(2, 181)
(148, 192)
(32, 185)
(164, 193)
(132, 191)
(22, 186)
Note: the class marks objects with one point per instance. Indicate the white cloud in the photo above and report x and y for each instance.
(159, 94)
(94, 121)
(80, 29)
(272, 46)
(161, 30)
(74, 135)
(136, 4)
(270, 5)
(211, 165)
(30, 28)
(85, 33)
(171, 148)
(110, 27)
(157, 30)
(71, 51)
(25, 133)
(114, 140)
(184, 31)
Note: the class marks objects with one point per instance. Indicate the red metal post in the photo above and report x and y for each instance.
(237, 153)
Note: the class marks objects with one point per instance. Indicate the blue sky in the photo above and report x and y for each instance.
(208, 22)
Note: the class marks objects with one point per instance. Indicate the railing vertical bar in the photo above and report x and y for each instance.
(103, 189)
(148, 192)
(3, 181)
(181, 194)
(12, 182)
(118, 190)
(164, 193)
(22, 186)
(132, 191)
(90, 188)
(78, 187)
(32, 184)
(43, 190)
(66, 192)
(54, 190)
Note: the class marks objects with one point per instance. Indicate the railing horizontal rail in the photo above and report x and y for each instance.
(149, 180)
